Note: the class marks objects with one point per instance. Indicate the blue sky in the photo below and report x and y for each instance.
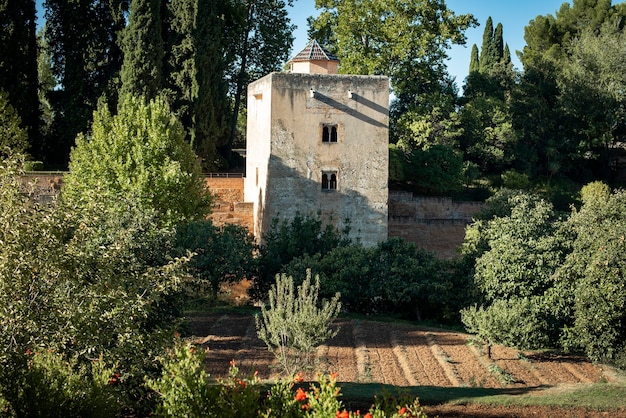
(513, 14)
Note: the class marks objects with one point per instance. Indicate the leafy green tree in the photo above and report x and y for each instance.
(221, 255)
(518, 255)
(139, 153)
(13, 137)
(143, 48)
(593, 94)
(557, 136)
(434, 170)
(85, 282)
(18, 63)
(595, 270)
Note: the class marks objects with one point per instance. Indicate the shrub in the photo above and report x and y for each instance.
(286, 240)
(293, 324)
(517, 322)
(220, 254)
(54, 386)
(140, 154)
(393, 277)
(185, 389)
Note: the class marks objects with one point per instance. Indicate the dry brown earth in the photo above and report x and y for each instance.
(406, 355)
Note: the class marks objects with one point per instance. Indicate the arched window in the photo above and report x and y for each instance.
(329, 133)
(325, 134)
(329, 180)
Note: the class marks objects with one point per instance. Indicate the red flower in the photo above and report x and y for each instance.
(368, 415)
(114, 379)
(300, 395)
(242, 383)
(298, 378)
(232, 363)
(334, 376)
(344, 414)
(402, 411)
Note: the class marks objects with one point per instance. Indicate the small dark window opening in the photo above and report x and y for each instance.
(329, 181)
(329, 134)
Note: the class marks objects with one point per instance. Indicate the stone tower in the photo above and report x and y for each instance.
(317, 142)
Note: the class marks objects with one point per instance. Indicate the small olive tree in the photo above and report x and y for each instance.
(294, 324)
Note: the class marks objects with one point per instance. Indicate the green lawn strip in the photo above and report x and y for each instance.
(598, 396)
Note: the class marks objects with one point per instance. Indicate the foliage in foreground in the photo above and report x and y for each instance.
(87, 282)
(185, 389)
(294, 324)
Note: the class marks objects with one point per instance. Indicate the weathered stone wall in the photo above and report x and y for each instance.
(435, 224)
(229, 206)
(43, 187)
(286, 163)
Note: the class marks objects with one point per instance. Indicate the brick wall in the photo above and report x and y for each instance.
(435, 224)
(229, 206)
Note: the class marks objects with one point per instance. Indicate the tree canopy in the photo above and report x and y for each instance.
(139, 152)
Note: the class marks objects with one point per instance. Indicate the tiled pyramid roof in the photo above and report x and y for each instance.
(314, 52)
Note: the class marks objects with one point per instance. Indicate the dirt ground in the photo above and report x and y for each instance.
(405, 355)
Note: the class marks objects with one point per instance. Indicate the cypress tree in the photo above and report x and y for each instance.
(81, 37)
(474, 60)
(487, 53)
(498, 43)
(506, 56)
(211, 106)
(18, 62)
(196, 70)
(142, 45)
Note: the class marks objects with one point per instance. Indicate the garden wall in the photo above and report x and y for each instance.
(433, 223)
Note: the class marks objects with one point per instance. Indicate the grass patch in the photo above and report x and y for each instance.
(598, 396)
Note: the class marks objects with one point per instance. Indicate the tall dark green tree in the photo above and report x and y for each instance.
(556, 133)
(488, 139)
(474, 60)
(143, 49)
(487, 50)
(18, 63)
(259, 47)
(82, 40)
(196, 72)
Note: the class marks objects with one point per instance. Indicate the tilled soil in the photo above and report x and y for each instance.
(405, 355)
